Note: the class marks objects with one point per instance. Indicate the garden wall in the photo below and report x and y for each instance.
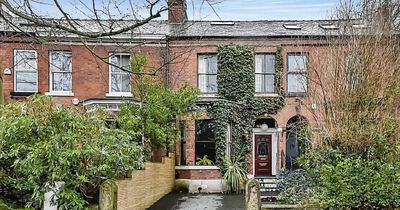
(146, 186)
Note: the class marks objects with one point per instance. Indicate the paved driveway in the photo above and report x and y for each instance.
(179, 201)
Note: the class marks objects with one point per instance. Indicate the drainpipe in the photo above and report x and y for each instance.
(167, 76)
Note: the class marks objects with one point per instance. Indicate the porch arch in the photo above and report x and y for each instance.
(294, 140)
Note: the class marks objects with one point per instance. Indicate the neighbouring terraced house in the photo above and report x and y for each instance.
(64, 69)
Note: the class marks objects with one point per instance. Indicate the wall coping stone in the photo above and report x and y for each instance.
(196, 168)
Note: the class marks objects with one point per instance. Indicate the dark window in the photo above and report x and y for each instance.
(297, 73)
(262, 148)
(205, 139)
(265, 73)
(294, 140)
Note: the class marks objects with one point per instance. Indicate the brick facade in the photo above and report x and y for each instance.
(177, 59)
(198, 174)
(90, 75)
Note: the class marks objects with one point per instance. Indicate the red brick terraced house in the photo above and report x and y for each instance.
(66, 70)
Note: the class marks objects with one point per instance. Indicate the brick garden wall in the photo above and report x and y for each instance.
(146, 186)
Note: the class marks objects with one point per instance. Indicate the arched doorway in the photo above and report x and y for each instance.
(294, 140)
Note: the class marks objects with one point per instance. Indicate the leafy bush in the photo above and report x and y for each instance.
(235, 175)
(45, 145)
(353, 182)
(342, 181)
(296, 187)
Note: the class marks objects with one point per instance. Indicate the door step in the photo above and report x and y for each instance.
(268, 189)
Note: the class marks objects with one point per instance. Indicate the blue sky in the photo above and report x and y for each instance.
(265, 9)
(224, 9)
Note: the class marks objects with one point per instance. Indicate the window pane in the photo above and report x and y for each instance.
(262, 148)
(211, 83)
(259, 63)
(28, 87)
(126, 83)
(25, 60)
(269, 83)
(203, 83)
(26, 77)
(259, 82)
(297, 83)
(269, 64)
(116, 83)
(120, 82)
(125, 62)
(62, 82)
(297, 63)
(122, 61)
(26, 81)
(205, 139)
(265, 83)
(292, 149)
(212, 64)
(202, 64)
(205, 130)
(61, 61)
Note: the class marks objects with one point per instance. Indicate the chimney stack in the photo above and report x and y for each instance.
(177, 11)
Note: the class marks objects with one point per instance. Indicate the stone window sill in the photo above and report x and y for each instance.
(266, 95)
(60, 93)
(122, 94)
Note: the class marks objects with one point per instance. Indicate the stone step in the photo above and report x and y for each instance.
(268, 185)
(269, 190)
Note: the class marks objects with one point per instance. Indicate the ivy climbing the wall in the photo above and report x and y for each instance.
(238, 106)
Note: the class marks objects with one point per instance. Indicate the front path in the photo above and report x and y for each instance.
(179, 201)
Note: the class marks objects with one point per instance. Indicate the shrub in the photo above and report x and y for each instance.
(235, 175)
(353, 182)
(296, 187)
(44, 145)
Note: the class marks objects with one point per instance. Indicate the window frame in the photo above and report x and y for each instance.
(51, 88)
(196, 141)
(110, 92)
(264, 74)
(206, 74)
(305, 73)
(16, 70)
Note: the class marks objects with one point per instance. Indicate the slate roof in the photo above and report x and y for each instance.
(161, 28)
(254, 28)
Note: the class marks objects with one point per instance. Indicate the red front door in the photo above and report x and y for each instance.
(263, 155)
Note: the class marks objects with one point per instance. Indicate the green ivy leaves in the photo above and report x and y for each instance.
(239, 106)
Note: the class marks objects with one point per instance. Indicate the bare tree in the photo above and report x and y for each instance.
(357, 82)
